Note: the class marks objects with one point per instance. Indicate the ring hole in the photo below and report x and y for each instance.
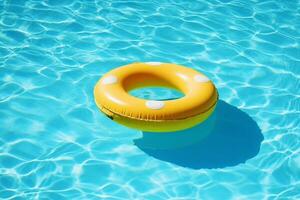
(156, 93)
(153, 87)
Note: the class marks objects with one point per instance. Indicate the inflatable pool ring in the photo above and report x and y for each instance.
(197, 104)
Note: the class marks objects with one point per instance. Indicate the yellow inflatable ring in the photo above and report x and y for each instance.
(199, 100)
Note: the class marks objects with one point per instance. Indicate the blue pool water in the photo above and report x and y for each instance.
(55, 144)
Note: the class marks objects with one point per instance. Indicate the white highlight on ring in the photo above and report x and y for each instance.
(109, 80)
(201, 78)
(155, 105)
(154, 63)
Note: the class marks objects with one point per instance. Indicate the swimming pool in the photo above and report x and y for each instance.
(55, 144)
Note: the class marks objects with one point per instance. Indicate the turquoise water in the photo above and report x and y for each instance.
(55, 144)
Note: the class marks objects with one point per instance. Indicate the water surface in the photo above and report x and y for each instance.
(55, 144)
